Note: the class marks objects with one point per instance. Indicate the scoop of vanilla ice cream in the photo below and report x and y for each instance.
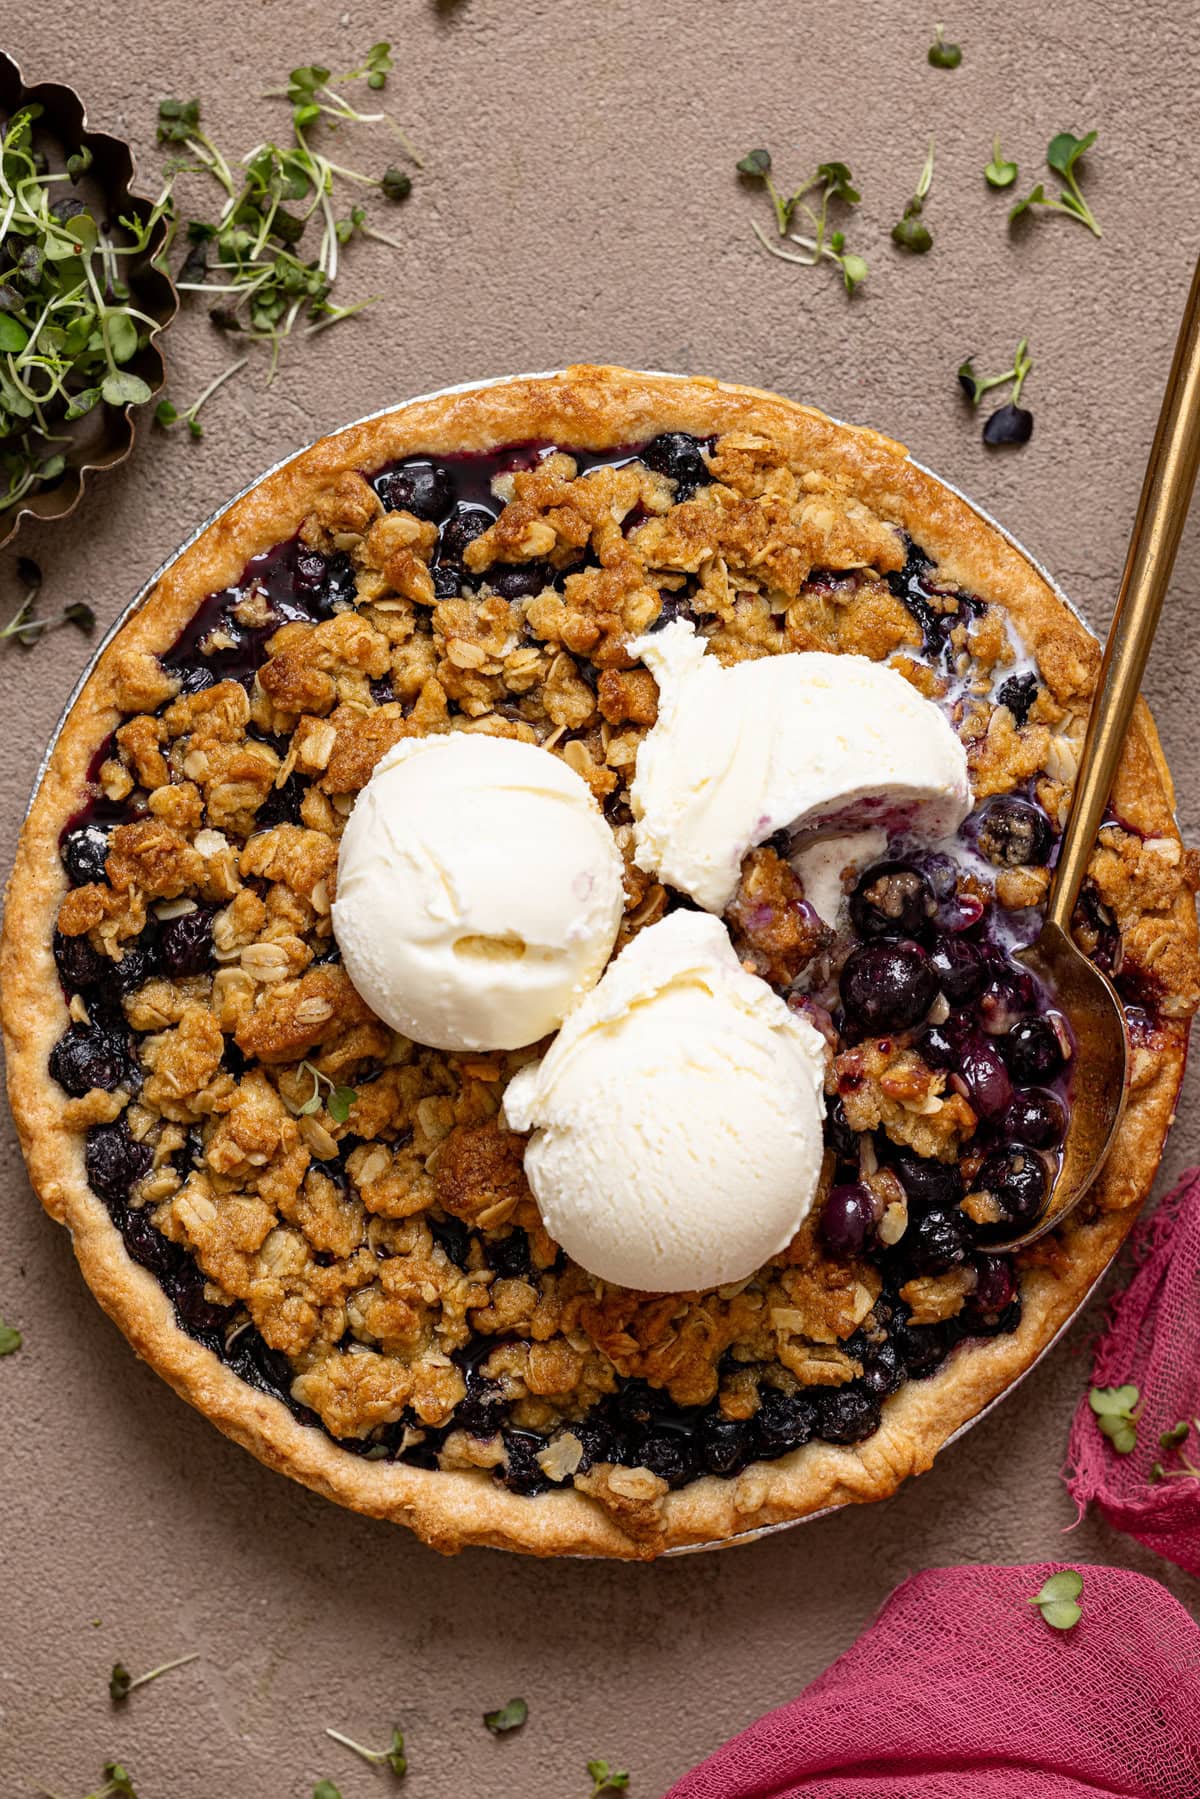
(739, 753)
(478, 893)
(676, 1117)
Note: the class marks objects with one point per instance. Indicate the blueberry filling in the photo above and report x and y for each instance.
(925, 960)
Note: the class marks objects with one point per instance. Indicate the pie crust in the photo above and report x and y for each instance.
(598, 408)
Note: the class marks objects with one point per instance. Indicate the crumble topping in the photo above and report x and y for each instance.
(384, 1268)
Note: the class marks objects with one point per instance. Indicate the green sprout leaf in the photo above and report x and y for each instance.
(1178, 1433)
(395, 184)
(606, 1779)
(756, 163)
(508, 1717)
(10, 1339)
(1063, 153)
(13, 335)
(124, 390)
(1116, 1411)
(941, 54)
(339, 1103)
(118, 1783)
(392, 1757)
(1058, 1599)
(121, 1683)
(325, 1789)
(999, 173)
(911, 232)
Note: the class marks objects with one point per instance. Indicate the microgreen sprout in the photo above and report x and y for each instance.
(392, 1757)
(941, 54)
(340, 1098)
(121, 1683)
(1062, 154)
(1172, 1442)
(325, 1789)
(250, 261)
(507, 1717)
(1011, 423)
(606, 1779)
(165, 413)
(1058, 1599)
(68, 327)
(23, 628)
(999, 173)
(911, 232)
(1116, 1410)
(835, 184)
(10, 1338)
(118, 1784)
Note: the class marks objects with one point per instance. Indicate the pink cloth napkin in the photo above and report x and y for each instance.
(960, 1690)
(1152, 1342)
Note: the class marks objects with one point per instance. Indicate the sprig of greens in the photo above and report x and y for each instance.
(121, 1683)
(10, 1338)
(606, 1779)
(1062, 153)
(118, 1784)
(23, 628)
(941, 54)
(165, 413)
(325, 1789)
(999, 173)
(337, 1105)
(1172, 1442)
(68, 326)
(507, 1717)
(835, 184)
(392, 1757)
(1058, 1599)
(250, 259)
(1117, 1410)
(911, 232)
(976, 386)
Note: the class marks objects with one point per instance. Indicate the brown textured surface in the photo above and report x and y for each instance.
(578, 204)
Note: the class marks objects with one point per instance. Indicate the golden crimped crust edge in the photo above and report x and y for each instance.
(585, 408)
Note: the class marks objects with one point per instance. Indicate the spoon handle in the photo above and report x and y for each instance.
(1162, 511)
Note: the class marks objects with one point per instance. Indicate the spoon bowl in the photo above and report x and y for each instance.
(1092, 1005)
(1099, 1064)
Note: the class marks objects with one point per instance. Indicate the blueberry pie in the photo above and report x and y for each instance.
(507, 977)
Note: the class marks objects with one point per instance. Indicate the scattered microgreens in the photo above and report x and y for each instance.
(118, 1783)
(23, 628)
(392, 1757)
(325, 1789)
(263, 282)
(836, 183)
(121, 1683)
(1172, 1441)
(1116, 1410)
(606, 1779)
(1062, 153)
(340, 1098)
(911, 232)
(508, 1717)
(941, 54)
(998, 172)
(10, 1338)
(1011, 423)
(1058, 1600)
(68, 326)
(165, 413)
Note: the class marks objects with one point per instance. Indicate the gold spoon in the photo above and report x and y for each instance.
(1087, 997)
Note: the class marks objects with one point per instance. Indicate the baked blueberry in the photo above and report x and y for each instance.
(848, 1219)
(1017, 1179)
(891, 899)
(1014, 833)
(1032, 1050)
(426, 489)
(91, 1056)
(83, 852)
(679, 457)
(185, 945)
(115, 1161)
(888, 986)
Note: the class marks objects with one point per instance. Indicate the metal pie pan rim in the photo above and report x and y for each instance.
(460, 387)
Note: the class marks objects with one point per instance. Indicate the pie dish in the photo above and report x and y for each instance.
(320, 1233)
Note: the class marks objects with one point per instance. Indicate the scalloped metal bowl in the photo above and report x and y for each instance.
(103, 437)
(139, 599)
